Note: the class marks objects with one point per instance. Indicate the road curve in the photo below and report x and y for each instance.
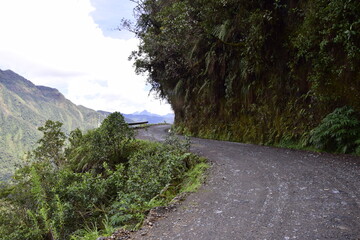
(257, 192)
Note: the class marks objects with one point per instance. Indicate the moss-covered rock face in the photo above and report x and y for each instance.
(23, 108)
(252, 71)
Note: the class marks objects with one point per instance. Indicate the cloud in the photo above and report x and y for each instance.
(108, 16)
(56, 43)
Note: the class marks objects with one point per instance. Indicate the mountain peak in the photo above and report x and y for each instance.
(8, 72)
(26, 89)
(8, 77)
(145, 112)
(24, 107)
(150, 117)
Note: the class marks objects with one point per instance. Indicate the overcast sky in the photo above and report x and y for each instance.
(71, 45)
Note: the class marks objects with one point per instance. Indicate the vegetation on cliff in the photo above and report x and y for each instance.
(252, 71)
(90, 183)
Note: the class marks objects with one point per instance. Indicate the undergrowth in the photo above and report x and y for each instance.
(338, 132)
(89, 184)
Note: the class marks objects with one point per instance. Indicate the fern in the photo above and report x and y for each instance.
(339, 132)
(222, 31)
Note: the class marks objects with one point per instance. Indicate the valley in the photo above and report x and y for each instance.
(24, 107)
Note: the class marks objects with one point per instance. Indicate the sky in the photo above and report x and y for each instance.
(73, 45)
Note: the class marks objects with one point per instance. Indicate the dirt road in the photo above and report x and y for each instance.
(256, 192)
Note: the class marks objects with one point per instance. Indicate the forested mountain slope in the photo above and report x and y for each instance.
(251, 71)
(24, 107)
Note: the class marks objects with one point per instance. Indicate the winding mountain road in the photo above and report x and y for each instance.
(257, 192)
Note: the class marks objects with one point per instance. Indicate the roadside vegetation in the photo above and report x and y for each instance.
(338, 132)
(263, 72)
(88, 184)
(24, 107)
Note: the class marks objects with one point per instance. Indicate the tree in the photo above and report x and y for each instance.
(104, 144)
(252, 71)
(51, 145)
(115, 133)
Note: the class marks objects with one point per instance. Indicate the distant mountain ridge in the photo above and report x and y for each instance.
(144, 116)
(105, 114)
(152, 118)
(144, 112)
(24, 107)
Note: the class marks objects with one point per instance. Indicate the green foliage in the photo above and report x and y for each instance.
(51, 144)
(88, 233)
(155, 173)
(106, 179)
(339, 132)
(328, 39)
(24, 107)
(116, 133)
(109, 142)
(251, 71)
(177, 143)
(195, 177)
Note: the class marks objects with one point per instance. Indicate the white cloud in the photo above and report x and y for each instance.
(56, 43)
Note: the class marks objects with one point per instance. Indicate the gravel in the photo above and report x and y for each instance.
(257, 192)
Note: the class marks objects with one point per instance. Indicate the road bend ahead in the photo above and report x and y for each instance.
(256, 192)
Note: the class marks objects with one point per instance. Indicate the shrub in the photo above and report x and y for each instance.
(338, 132)
(106, 179)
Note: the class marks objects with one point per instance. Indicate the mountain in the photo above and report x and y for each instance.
(150, 117)
(146, 113)
(144, 116)
(24, 107)
(105, 114)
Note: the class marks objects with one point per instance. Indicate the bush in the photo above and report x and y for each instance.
(338, 132)
(106, 179)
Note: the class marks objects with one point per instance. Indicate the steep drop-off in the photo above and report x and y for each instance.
(24, 107)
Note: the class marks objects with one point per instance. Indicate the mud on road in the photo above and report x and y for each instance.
(257, 192)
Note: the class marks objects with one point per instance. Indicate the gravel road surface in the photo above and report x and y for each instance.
(257, 192)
